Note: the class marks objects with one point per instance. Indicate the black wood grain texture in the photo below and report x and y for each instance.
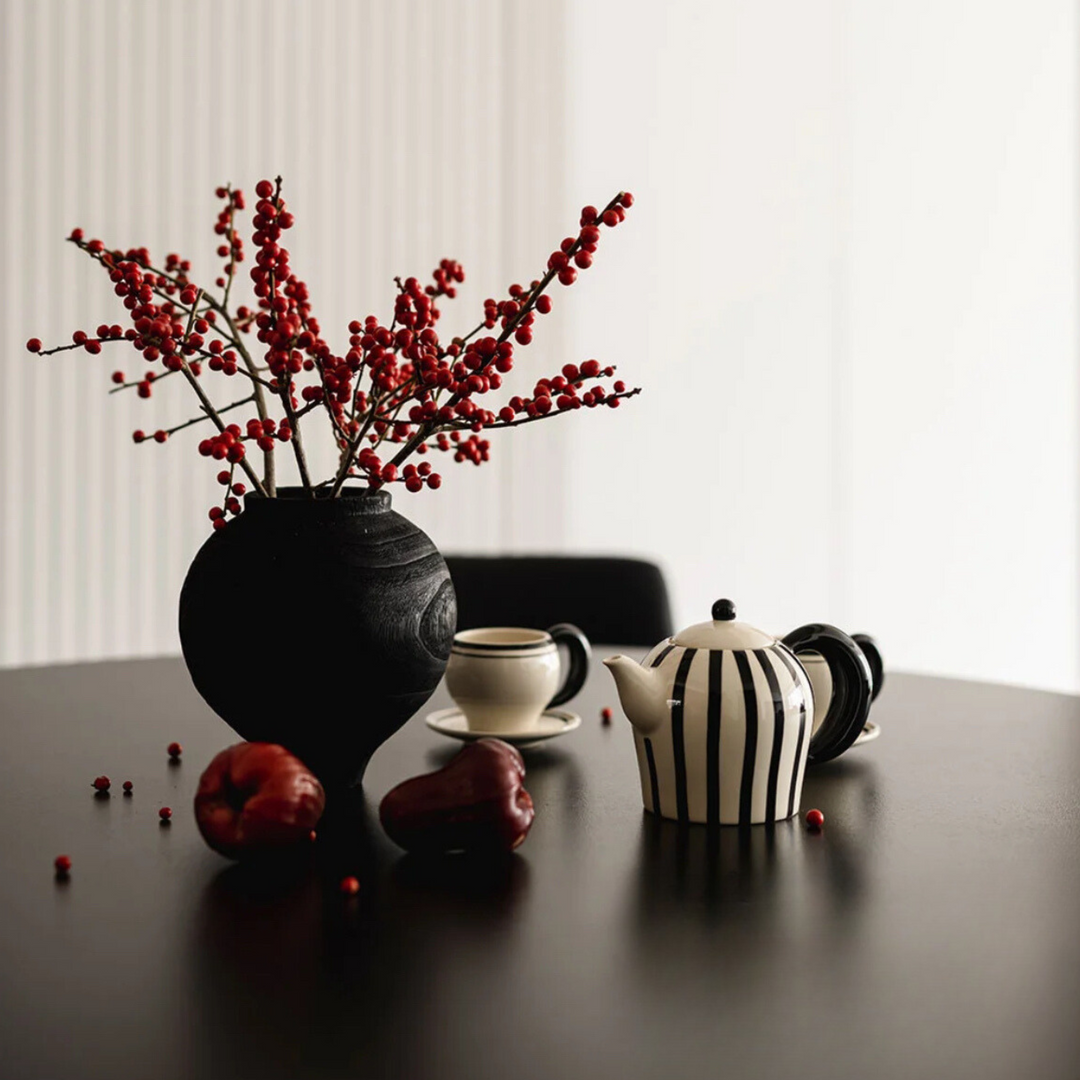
(931, 930)
(321, 625)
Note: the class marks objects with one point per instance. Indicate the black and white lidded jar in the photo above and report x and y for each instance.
(727, 717)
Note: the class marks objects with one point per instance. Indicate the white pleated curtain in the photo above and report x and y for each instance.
(406, 131)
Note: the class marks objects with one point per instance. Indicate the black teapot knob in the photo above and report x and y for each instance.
(723, 611)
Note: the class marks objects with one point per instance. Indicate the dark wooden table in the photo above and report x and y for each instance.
(932, 930)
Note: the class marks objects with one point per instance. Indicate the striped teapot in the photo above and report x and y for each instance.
(727, 717)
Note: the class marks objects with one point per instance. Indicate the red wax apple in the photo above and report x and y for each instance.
(256, 798)
(475, 803)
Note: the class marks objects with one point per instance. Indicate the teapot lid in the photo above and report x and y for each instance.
(723, 632)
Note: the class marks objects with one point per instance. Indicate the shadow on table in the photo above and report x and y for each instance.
(295, 979)
(779, 882)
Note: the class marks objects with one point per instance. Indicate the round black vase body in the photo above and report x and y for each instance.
(319, 624)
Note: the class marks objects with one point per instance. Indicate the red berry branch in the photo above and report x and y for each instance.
(397, 391)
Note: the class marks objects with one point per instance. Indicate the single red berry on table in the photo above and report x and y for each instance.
(101, 783)
(815, 819)
(128, 785)
(605, 715)
(165, 813)
(117, 377)
(62, 864)
(350, 886)
(175, 750)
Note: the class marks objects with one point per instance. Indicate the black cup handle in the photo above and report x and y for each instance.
(580, 652)
(853, 688)
(873, 657)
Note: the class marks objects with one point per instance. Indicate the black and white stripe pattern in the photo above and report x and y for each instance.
(733, 750)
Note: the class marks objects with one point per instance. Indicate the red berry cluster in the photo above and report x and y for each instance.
(226, 446)
(396, 391)
(233, 246)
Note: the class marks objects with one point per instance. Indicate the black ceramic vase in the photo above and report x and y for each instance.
(319, 624)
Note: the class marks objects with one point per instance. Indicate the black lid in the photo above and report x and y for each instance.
(723, 611)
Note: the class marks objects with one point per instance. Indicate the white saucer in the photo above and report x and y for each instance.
(552, 723)
(869, 733)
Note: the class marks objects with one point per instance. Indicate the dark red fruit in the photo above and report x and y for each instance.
(255, 798)
(476, 802)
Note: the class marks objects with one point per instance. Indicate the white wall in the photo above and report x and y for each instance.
(726, 121)
(848, 286)
(854, 311)
(962, 329)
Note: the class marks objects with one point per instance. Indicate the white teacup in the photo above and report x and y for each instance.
(504, 677)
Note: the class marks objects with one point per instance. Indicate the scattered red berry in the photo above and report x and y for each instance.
(128, 786)
(165, 813)
(101, 783)
(33, 345)
(605, 715)
(350, 886)
(63, 865)
(175, 750)
(814, 819)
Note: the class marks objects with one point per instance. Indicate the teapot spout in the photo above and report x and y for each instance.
(640, 692)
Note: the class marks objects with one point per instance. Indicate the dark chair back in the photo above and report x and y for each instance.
(614, 601)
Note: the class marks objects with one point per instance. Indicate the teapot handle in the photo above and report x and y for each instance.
(853, 688)
(873, 656)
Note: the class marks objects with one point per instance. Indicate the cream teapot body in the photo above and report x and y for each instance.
(726, 717)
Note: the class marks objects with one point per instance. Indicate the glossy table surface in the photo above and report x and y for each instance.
(932, 929)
